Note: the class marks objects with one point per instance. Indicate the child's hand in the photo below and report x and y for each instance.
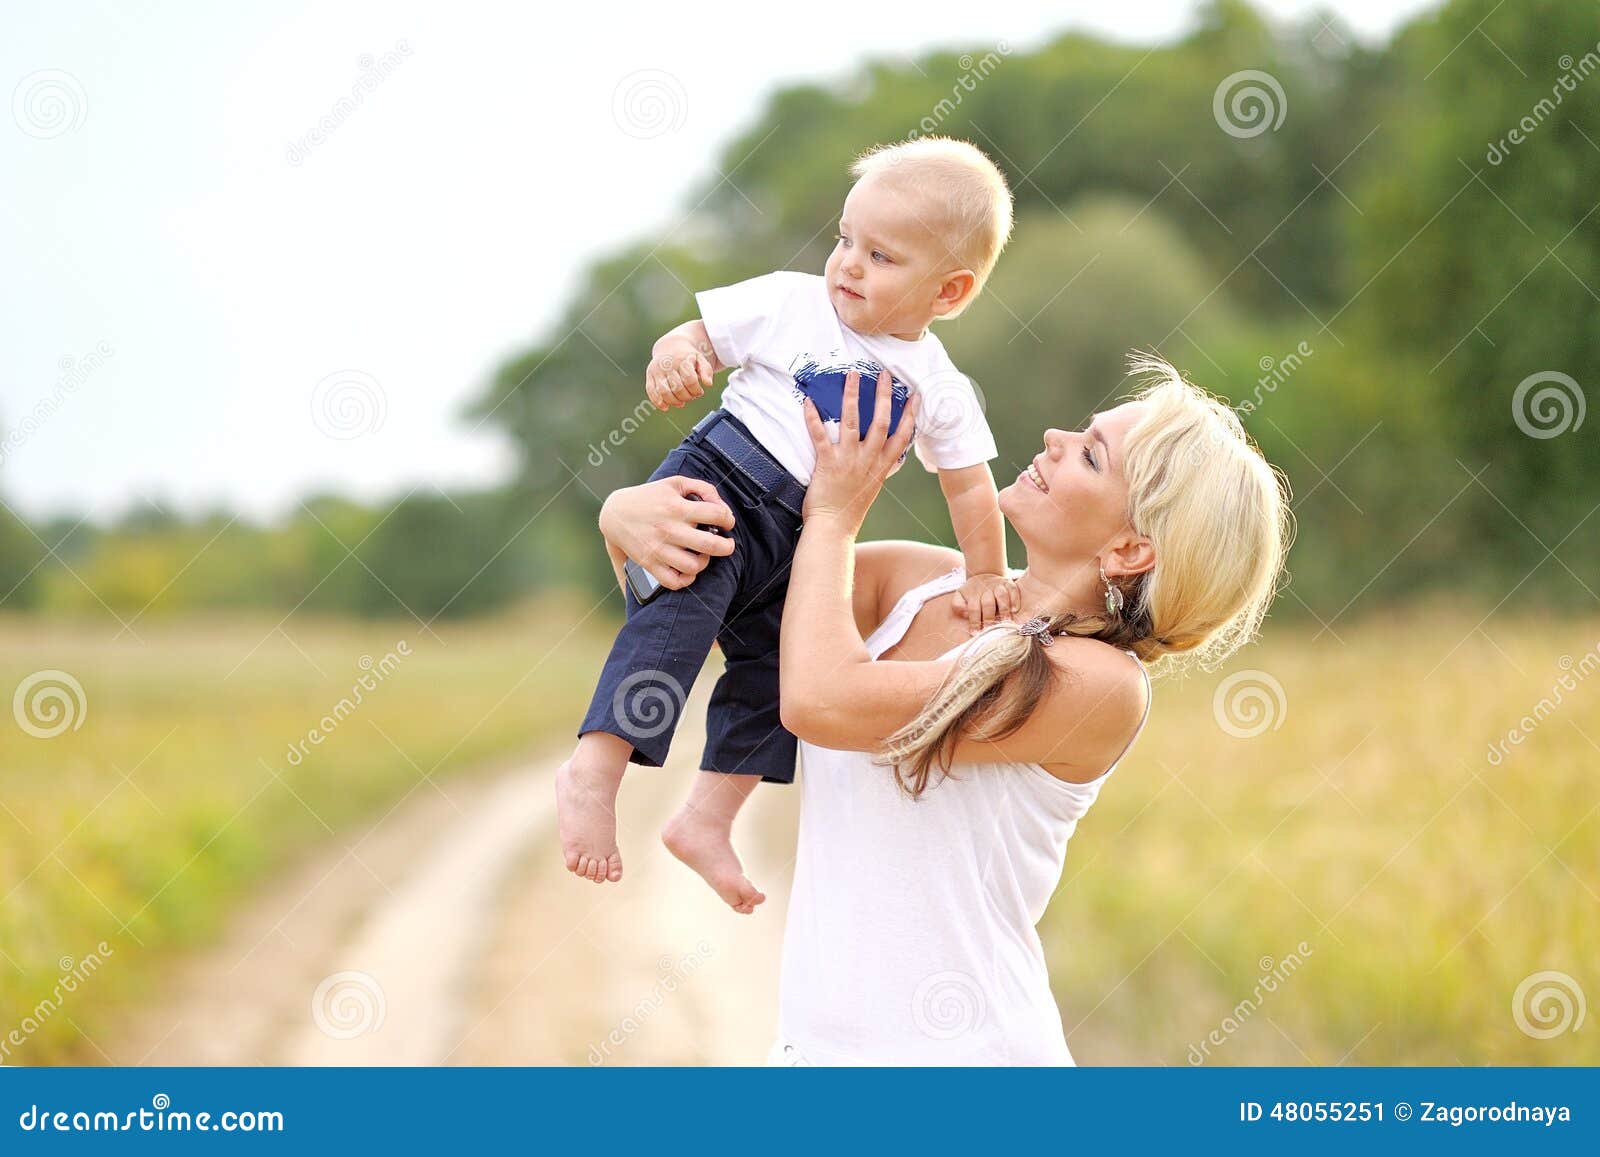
(985, 599)
(678, 373)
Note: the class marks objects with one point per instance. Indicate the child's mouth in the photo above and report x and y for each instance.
(848, 292)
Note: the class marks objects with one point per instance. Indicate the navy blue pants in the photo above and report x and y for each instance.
(737, 602)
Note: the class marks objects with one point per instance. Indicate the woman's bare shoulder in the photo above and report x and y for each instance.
(1099, 701)
(891, 567)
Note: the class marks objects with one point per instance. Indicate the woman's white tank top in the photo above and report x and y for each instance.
(911, 934)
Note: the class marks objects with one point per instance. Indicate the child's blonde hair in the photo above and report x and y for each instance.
(973, 199)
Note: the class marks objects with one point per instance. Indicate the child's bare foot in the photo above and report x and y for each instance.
(586, 813)
(705, 843)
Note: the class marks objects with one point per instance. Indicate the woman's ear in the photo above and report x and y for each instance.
(1132, 556)
(955, 291)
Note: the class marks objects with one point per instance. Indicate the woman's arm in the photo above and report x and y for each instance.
(834, 695)
(657, 525)
(832, 692)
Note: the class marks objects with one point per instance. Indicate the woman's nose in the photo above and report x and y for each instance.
(1054, 438)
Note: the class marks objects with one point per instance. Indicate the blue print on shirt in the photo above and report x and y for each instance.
(824, 385)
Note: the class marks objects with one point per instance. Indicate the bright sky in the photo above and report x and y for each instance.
(186, 316)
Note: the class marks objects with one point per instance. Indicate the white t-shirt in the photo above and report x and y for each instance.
(788, 343)
(911, 936)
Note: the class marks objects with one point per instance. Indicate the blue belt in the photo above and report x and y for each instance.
(728, 437)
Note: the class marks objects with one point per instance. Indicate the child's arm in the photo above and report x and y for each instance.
(681, 366)
(988, 594)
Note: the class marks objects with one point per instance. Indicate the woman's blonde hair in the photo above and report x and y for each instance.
(1217, 514)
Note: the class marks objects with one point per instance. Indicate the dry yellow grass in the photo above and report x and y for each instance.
(171, 788)
(1367, 821)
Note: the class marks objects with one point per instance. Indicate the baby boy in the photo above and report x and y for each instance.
(918, 236)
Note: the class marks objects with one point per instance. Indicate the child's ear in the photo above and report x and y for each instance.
(955, 291)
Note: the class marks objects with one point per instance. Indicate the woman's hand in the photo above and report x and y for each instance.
(850, 472)
(657, 524)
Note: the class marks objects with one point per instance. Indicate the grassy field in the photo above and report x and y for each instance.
(185, 772)
(1358, 882)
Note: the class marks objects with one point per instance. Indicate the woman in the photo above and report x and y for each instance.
(939, 790)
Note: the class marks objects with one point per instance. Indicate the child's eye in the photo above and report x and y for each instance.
(842, 239)
(880, 256)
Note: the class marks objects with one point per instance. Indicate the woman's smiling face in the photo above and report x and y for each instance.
(1073, 492)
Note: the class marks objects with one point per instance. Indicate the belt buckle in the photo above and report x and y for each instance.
(703, 426)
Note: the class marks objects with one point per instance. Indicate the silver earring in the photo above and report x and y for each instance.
(1113, 595)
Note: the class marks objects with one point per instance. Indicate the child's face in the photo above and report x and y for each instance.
(891, 271)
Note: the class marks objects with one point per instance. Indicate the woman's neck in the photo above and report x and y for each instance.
(1051, 590)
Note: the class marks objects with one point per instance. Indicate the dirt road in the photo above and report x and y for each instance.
(449, 933)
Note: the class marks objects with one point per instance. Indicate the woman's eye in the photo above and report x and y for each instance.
(1089, 458)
